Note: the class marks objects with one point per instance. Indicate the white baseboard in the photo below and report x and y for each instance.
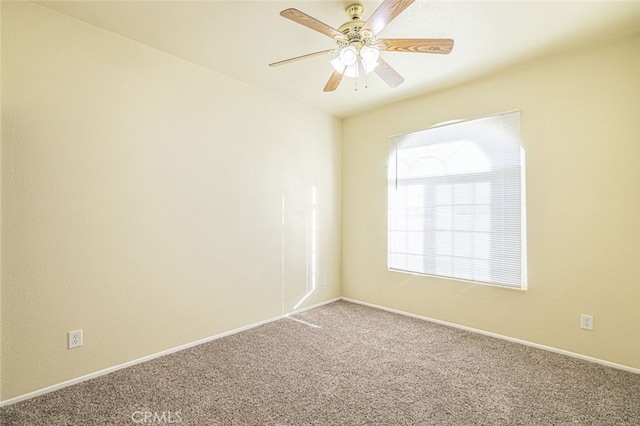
(153, 356)
(500, 336)
(250, 326)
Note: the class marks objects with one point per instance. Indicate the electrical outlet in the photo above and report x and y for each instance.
(586, 322)
(324, 280)
(75, 338)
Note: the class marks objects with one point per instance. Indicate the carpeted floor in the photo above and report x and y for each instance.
(347, 364)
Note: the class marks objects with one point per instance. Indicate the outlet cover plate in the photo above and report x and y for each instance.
(75, 338)
(586, 322)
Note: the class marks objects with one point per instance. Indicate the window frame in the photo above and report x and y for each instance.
(497, 251)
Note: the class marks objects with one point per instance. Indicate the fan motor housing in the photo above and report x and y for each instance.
(351, 26)
(351, 29)
(354, 11)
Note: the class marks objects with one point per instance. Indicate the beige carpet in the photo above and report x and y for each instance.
(347, 364)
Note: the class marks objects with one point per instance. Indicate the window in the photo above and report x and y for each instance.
(456, 201)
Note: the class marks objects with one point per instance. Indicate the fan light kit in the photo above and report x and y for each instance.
(357, 46)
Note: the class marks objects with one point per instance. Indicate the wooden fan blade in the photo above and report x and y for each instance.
(299, 58)
(333, 82)
(302, 18)
(418, 45)
(384, 14)
(388, 74)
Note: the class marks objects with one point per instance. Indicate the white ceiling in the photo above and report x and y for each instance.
(239, 38)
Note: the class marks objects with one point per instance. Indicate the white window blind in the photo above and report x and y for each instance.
(456, 201)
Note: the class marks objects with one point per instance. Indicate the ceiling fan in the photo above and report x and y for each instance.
(359, 48)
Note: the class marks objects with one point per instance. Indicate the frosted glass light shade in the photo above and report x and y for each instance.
(349, 69)
(348, 55)
(369, 57)
(349, 60)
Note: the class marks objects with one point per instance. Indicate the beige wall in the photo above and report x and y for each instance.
(143, 200)
(581, 127)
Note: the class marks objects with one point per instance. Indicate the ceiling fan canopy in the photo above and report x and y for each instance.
(357, 45)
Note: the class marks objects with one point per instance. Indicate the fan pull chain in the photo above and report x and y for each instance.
(358, 67)
(366, 81)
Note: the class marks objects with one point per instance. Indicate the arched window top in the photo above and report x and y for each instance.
(458, 147)
(443, 159)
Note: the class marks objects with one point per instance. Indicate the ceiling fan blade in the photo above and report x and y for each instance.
(302, 18)
(418, 45)
(388, 74)
(384, 14)
(299, 58)
(333, 82)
